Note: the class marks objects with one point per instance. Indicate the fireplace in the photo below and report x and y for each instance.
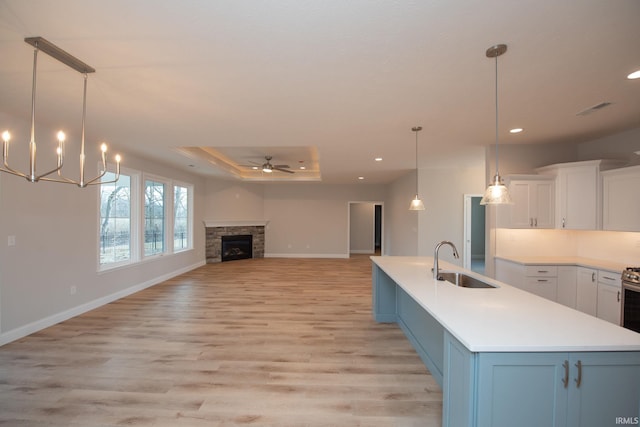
(239, 246)
(216, 230)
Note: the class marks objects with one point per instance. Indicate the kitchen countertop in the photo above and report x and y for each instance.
(566, 260)
(504, 319)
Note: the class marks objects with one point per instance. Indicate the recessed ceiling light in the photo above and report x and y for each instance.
(634, 75)
(361, 177)
(516, 130)
(303, 167)
(255, 168)
(378, 159)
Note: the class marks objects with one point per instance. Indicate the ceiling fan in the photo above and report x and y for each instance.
(267, 167)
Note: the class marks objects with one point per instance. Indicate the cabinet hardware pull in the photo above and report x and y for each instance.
(593, 277)
(608, 278)
(618, 296)
(579, 379)
(530, 222)
(565, 380)
(563, 222)
(543, 271)
(536, 222)
(542, 280)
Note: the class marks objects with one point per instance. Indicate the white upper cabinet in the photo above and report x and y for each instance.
(579, 193)
(620, 203)
(533, 202)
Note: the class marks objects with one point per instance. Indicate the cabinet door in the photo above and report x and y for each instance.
(578, 198)
(520, 215)
(567, 285)
(609, 304)
(587, 291)
(544, 203)
(521, 389)
(620, 208)
(609, 389)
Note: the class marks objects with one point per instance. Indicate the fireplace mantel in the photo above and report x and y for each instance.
(232, 223)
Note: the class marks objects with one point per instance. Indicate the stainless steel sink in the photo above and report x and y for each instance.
(464, 281)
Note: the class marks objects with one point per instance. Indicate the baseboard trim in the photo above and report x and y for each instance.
(38, 325)
(276, 255)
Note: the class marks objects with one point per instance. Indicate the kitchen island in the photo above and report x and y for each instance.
(505, 357)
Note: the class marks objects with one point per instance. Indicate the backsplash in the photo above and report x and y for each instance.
(622, 247)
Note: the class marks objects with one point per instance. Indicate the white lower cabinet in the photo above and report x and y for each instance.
(595, 292)
(587, 290)
(609, 296)
(542, 280)
(554, 389)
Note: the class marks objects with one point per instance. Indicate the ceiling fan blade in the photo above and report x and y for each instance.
(283, 170)
(282, 166)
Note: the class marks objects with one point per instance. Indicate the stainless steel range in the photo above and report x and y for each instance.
(630, 313)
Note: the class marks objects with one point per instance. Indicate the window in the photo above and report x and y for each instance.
(181, 218)
(131, 228)
(154, 218)
(115, 220)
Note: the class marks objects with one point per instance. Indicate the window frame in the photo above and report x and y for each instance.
(167, 222)
(134, 179)
(189, 216)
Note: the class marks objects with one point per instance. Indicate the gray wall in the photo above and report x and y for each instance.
(56, 233)
(361, 228)
(304, 219)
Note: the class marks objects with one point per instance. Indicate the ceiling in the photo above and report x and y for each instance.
(210, 85)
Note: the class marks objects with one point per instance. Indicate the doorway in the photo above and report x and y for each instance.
(365, 235)
(474, 256)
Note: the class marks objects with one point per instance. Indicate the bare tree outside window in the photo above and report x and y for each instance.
(154, 222)
(115, 220)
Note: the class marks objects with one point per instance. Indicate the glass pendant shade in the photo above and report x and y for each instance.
(416, 204)
(496, 193)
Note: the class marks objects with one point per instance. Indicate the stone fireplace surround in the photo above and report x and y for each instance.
(216, 229)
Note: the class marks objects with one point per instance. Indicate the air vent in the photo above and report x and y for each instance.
(593, 109)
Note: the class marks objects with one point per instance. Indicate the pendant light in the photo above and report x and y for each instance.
(416, 204)
(496, 193)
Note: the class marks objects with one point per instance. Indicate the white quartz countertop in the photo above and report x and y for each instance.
(504, 319)
(566, 260)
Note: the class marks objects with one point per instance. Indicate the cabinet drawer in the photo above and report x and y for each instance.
(546, 287)
(610, 278)
(541, 270)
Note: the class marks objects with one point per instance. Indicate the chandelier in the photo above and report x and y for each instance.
(40, 44)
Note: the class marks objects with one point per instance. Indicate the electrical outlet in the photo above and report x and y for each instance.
(73, 290)
(11, 241)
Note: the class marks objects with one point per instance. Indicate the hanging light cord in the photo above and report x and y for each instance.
(497, 169)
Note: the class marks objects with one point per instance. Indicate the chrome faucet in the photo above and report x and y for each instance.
(436, 269)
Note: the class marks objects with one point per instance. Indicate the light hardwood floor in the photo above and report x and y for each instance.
(262, 342)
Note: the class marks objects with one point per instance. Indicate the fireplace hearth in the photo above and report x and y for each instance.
(236, 247)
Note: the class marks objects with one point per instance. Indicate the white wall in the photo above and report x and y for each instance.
(56, 233)
(304, 219)
(613, 246)
(443, 193)
(401, 224)
(361, 228)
